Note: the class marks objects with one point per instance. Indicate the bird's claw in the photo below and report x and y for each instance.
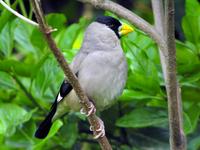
(100, 132)
(92, 110)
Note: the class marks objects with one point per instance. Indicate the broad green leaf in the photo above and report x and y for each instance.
(191, 28)
(190, 94)
(6, 39)
(47, 75)
(192, 5)
(16, 67)
(190, 81)
(71, 37)
(6, 82)
(56, 20)
(66, 38)
(22, 36)
(7, 16)
(194, 143)
(187, 59)
(69, 132)
(131, 95)
(78, 41)
(193, 115)
(143, 117)
(39, 65)
(143, 72)
(11, 116)
(54, 129)
(37, 39)
(23, 137)
(157, 103)
(187, 125)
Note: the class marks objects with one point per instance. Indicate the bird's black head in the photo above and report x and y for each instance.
(111, 22)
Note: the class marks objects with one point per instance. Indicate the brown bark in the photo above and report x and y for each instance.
(46, 30)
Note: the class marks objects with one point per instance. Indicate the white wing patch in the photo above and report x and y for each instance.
(59, 98)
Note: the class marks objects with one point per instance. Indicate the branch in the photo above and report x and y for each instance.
(177, 138)
(46, 30)
(167, 53)
(158, 13)
(176, 123)
(131, 17)
(17, 14)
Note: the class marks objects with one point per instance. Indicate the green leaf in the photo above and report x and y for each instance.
(192, 5)
(187, 59)
(16, 67)
(6, 39)
(69, 132)
(157, 103)
(54, 129)
(11, 116)
(143, 72)
(187, 126)
(56, 20)
(39, 65)
(190, 94)
(6, 82)
(22, 36)
(193, 115)
(46, 75)
(37, 39)
(131, 95)
(7, 16)
(194, 143)
(191, 28)
(143, 117)
(68, 36)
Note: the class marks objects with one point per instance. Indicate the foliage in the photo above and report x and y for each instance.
(30, 79)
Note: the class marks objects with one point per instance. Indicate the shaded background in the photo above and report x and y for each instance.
(74, 10)
(30, 78)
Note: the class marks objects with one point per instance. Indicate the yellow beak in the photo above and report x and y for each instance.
(125, 29)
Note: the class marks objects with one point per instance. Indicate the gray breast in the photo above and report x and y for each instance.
(103, 75)
(102, 72)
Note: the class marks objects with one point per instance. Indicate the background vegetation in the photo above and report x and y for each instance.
(30, 79)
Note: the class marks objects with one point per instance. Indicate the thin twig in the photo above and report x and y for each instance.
(158, 10)
(177, 138)
(29, 95)
(131, 17)
(158, 13)
(167, 48)
(17, 14)
(168, 56)
(46, 30)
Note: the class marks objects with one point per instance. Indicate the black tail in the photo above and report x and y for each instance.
(45, 126)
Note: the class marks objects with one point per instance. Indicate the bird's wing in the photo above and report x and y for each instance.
(65, 89)
(78, 59)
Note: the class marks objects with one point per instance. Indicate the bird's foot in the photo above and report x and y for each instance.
(92, 110)
(100, 132)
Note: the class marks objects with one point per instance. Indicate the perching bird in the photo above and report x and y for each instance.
(100, 67)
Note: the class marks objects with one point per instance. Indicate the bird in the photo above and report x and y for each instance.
(101, 69)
